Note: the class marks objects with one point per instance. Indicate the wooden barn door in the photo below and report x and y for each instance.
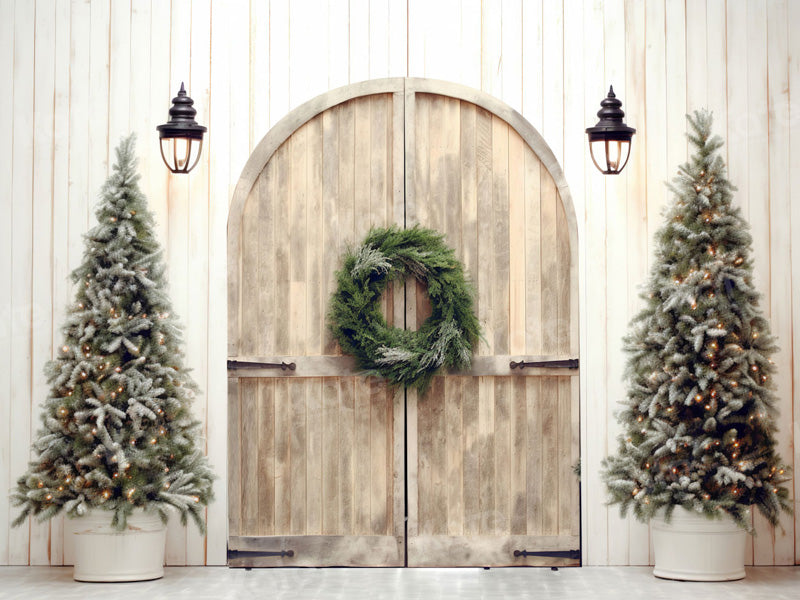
(315, 452)
(491, 455)
(327, 467)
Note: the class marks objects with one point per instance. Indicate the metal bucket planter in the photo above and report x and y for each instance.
(104, 554)
(692, 547)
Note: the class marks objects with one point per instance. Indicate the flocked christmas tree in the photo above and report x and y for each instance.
(118, 431)
(699, 416)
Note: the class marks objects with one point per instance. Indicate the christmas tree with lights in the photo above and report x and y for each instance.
(117, 428)
(699, 418)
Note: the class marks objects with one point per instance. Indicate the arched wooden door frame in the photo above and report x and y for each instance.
(403, 91)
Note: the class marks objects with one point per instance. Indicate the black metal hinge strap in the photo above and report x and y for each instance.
(234, 554)
(571, 363)
(573, 554)
(243, 364)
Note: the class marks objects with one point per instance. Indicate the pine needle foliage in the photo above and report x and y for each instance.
(699, 417)
(403, 357)
(117, 428)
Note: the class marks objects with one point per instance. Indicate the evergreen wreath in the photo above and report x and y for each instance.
(403, 357)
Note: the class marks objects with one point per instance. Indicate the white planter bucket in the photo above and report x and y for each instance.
(104, 554)
(694, 548)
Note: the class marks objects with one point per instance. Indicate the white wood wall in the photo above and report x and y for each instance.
(80, 74)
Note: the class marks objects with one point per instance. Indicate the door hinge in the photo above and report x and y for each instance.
(572, 554)
(244, 364)
(571, 363)
(235, 554)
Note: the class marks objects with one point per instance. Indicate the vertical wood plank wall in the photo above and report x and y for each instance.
(81, 73)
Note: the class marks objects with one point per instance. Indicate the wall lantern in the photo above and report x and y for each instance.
(181, 138)
(610, 139)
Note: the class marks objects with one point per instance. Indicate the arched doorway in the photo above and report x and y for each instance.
(332, 466)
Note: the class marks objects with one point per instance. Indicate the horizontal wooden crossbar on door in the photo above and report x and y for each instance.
(335, 366)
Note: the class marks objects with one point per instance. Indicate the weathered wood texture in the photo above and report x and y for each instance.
(317, 457)
(494, 455)
(321, 190)
(315, 451)
(494, 459)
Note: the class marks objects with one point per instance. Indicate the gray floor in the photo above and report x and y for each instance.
(202, 583)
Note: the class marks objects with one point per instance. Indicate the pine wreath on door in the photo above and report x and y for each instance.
(318, 472)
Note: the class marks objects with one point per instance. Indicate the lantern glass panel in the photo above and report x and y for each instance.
(610, 156)
(181, 154)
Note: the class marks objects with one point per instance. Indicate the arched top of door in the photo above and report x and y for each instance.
(407, 86)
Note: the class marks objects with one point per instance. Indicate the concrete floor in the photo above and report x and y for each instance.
(215, 583)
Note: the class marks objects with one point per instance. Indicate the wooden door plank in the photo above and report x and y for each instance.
(421, 172)
(347, 454)
(469, 191)
(550, 465)
(548, 250)
(533, 254)
(379, 443)
(567, 489)
(397, 158)
(413, 462)
(380, 200)
(500, 247)
(516, 243)
(436, 493)
(280, 198)
(234, 460)
(437, 138)
(398, 472)
(471, 459)
(422, 500)
(266, 457)
(249, 440)
(450, 223)
(534, 456)
(248, 312)
(331, 461)
(575, 456)
(298, 436)
(315, 248)
(362, 458)
(314, 456)
(519, 451)
(564, 283)
(485, 230)
(487, 454)
(298, 242)
(502, 461)
(362, 170)
(283, 465)
(454, 463)
(264, 326)
(331, 248)
(346, 199)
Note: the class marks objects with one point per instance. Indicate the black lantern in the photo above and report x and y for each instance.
(610, 139)
(181, 138)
